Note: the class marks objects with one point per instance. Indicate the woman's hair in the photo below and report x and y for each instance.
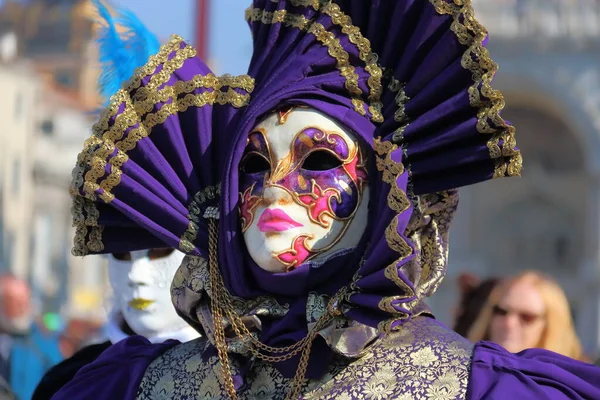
(559, 334)
(473, 297)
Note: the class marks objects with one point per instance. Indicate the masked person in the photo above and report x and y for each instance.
(313, 198)
(140, 281)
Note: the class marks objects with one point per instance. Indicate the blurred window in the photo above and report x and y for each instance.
(47, 127)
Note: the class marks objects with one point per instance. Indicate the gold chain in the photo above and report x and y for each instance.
(218, 328)
(221, 304)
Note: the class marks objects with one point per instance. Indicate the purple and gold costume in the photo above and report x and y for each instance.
(411, 79)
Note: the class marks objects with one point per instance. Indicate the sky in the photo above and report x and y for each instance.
(230, 43)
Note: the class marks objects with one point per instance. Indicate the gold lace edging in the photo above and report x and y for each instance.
(398, 201)
(112, 138)
(186, 242)
(477, 60)
(101, 143)
(81, 246)
(334, 48)
(306, 3)
(338, 17)
(107, 146)
(133, 110)
(145, 102)
(86, 224)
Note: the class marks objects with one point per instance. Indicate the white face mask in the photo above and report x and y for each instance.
(303, 189)
(141, 281)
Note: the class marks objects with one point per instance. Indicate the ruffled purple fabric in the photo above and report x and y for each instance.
(532, 374)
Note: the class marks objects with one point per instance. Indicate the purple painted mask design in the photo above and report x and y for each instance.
(322, 172)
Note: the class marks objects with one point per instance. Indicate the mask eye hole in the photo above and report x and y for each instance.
(321, 160)
(122, 256)
(254, 163)
(155, 254)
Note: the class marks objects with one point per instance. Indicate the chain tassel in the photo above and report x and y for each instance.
(222, 306)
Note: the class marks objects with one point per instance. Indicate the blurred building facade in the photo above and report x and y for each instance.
(48, 75)
(549, 219)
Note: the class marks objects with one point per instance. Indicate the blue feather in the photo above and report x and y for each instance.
(120, 54)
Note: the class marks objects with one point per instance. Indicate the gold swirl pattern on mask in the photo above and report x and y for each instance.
(423, 360)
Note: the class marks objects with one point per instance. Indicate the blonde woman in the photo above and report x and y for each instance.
(528, 311)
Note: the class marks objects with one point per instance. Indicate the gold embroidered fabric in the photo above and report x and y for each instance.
(328, 39)
(422, 361)
(190, 291)
(428, 231)
(135, 111)
(187, 239)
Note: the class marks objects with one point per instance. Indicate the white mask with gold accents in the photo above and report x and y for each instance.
(303, 189)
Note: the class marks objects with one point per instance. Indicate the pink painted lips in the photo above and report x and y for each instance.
(276, 220)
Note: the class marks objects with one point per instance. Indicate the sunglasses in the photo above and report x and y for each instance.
(525, 317)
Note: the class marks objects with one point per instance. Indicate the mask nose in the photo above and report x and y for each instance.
(138, 274)
(275, 195)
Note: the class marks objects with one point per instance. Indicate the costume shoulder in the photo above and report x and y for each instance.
(116, 373)
(532, 374)
(63, 372)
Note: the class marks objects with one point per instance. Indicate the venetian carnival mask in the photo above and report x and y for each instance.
(141, 282)
(303, 191)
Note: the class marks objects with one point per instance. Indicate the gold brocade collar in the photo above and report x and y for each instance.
(190, 291)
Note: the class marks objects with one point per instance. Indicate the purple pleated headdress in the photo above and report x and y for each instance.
(410, 78)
